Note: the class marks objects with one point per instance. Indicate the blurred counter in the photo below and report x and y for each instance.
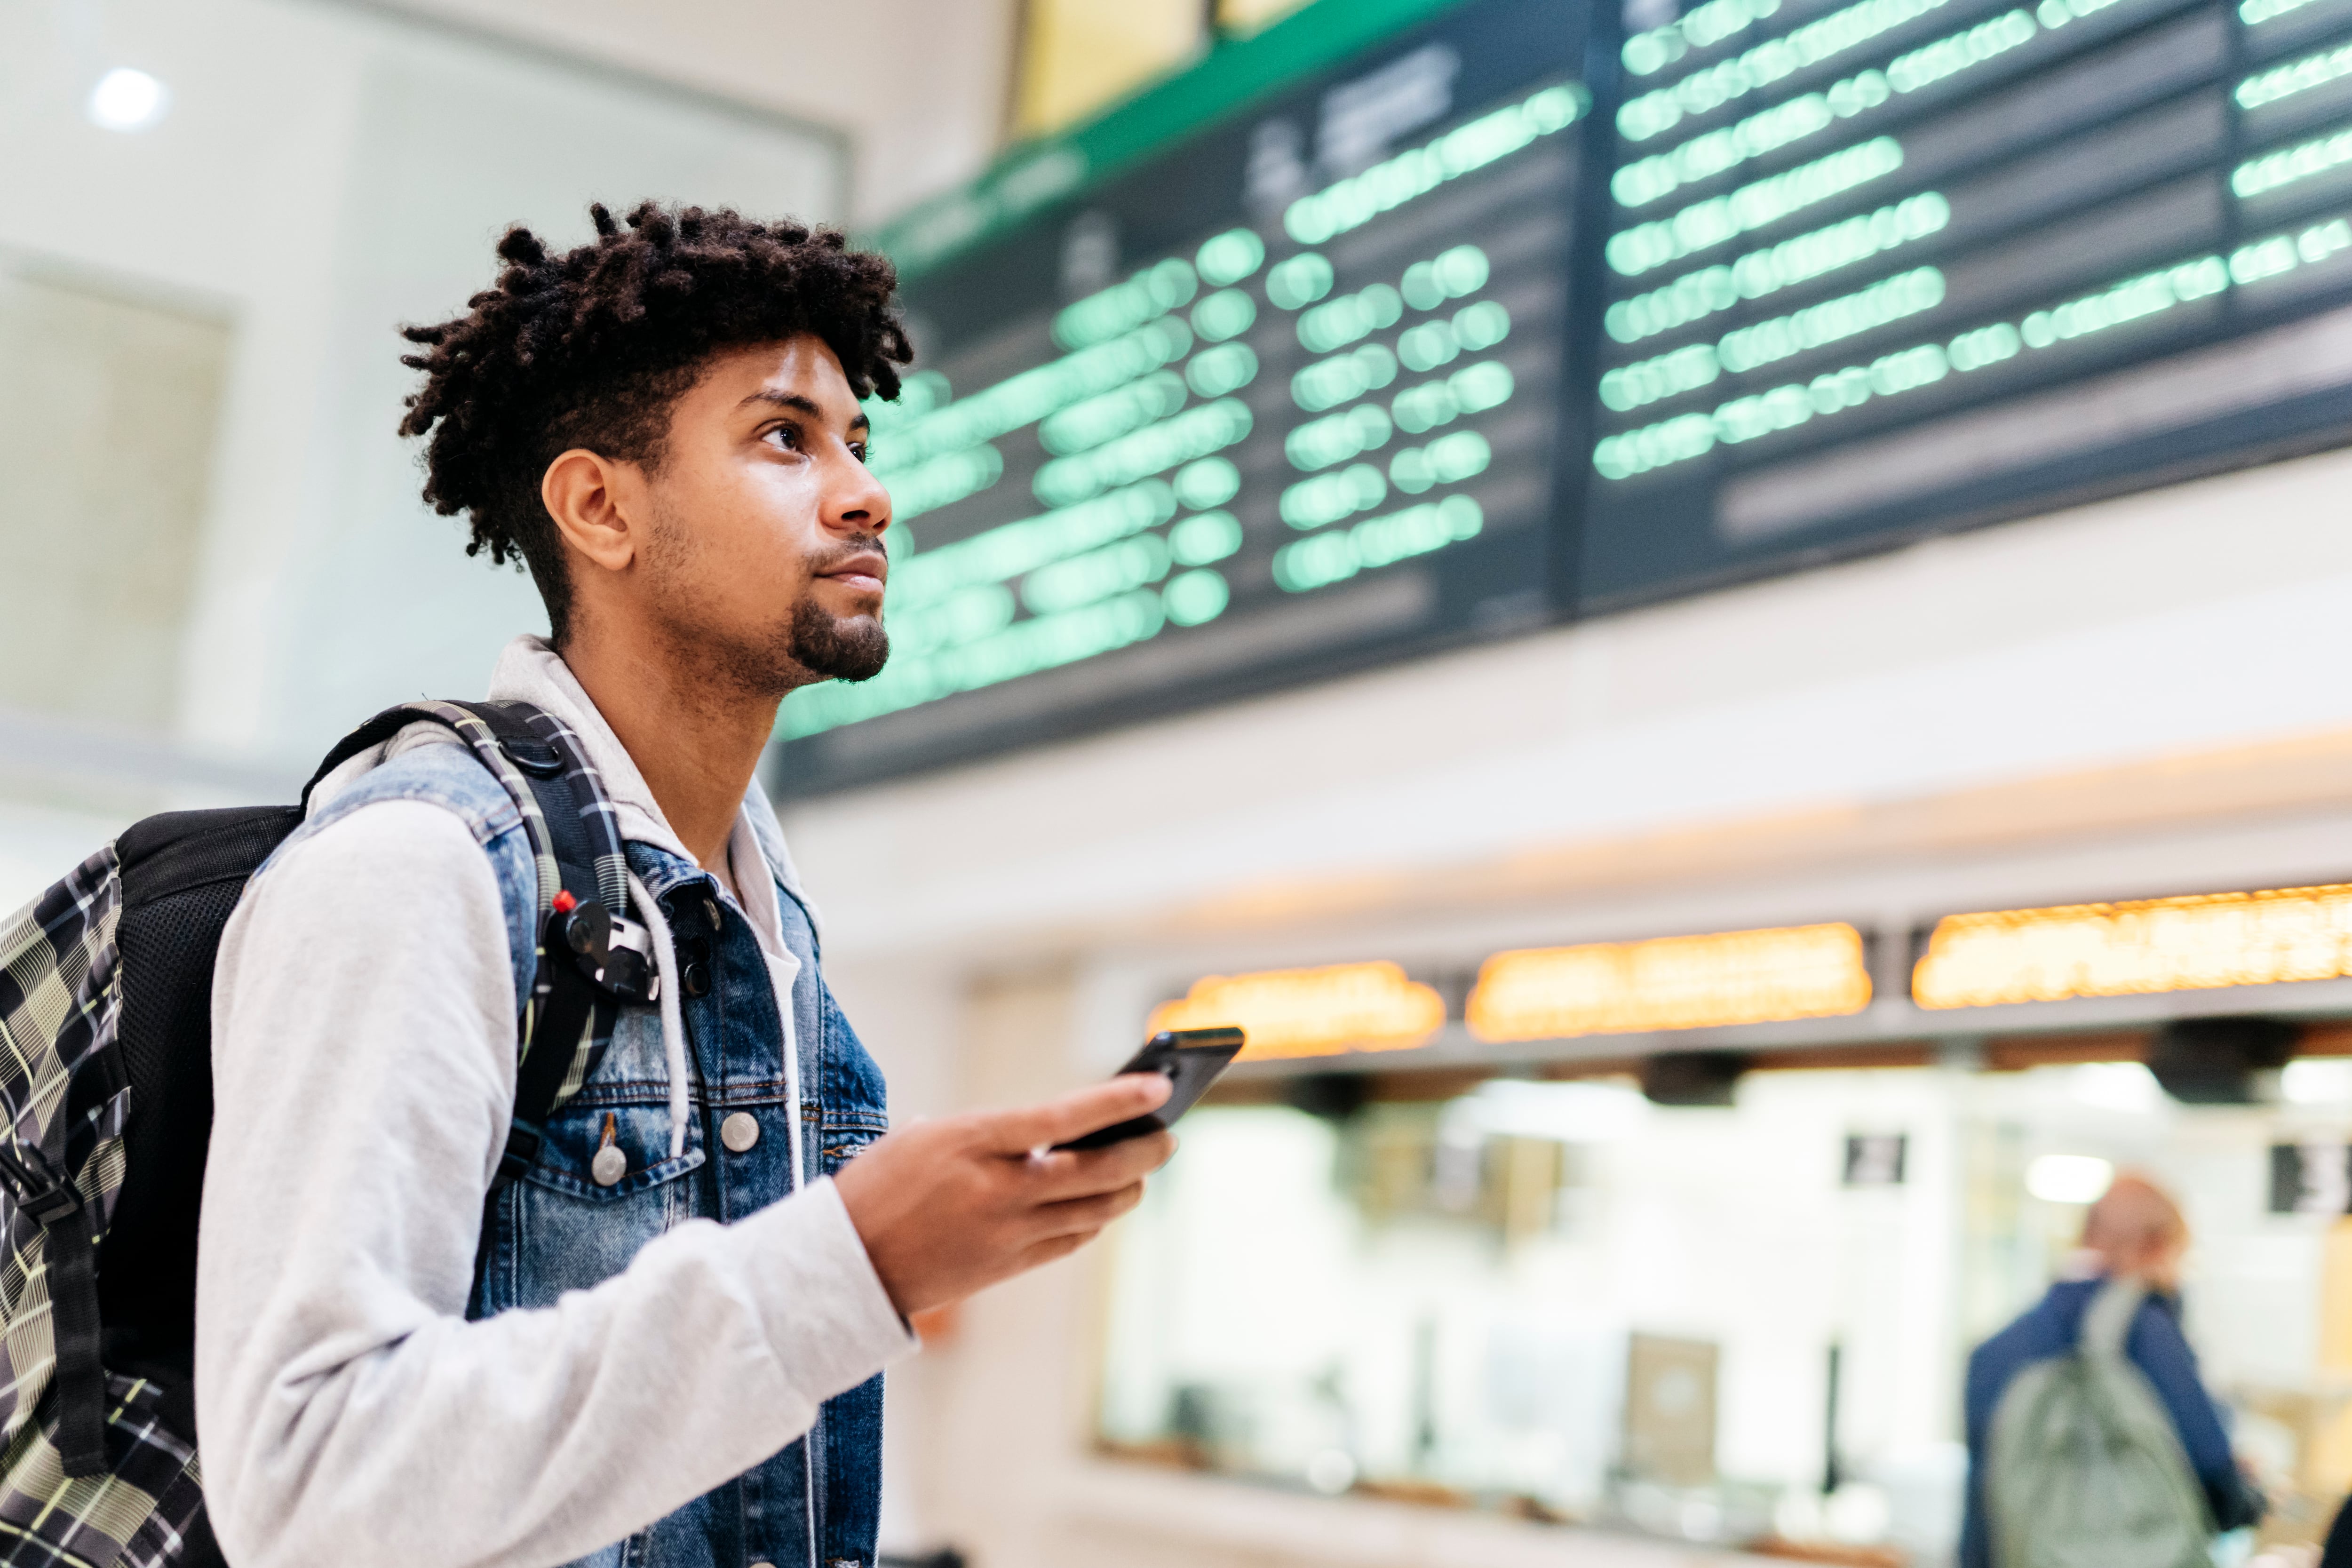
(1131, 1514)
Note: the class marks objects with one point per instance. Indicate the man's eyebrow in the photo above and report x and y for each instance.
(791, 400)
(801, 404)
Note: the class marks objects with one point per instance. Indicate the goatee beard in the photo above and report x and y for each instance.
(836, 648)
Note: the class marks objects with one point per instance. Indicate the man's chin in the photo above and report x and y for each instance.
(839, 647)
(865, 665)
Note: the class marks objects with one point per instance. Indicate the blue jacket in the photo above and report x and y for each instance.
(2053, 1327)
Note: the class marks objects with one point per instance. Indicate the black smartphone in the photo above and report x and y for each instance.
(1191, 1059)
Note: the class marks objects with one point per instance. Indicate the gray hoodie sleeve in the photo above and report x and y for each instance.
(363, 1068)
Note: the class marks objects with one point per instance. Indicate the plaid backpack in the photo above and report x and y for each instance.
(106, 1084)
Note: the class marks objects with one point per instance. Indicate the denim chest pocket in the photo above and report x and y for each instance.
(603, 1186)
(612, 1139)
(623, 1108)
(560, 1229)
(608, 1154)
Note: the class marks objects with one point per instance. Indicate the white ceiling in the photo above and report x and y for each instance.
(918, 86)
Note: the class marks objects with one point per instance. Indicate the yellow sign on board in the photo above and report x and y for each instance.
(1671, 983)
(2196, 943)
(1312, 1012)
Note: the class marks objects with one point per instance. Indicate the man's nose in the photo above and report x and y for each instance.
(859, 499)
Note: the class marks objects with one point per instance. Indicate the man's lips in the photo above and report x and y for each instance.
(863, 572)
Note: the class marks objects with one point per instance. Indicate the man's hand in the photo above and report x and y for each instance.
(948, 1208)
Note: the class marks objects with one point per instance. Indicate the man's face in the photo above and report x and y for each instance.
(766, 550)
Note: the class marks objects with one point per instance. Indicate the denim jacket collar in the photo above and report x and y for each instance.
(528, 671)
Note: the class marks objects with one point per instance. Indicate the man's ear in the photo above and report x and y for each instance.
(591, 500)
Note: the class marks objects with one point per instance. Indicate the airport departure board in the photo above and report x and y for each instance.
(1888, 267)
(1283, 399)
(1525, 312)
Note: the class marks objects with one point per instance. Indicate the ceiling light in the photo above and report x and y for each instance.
(128, 99)
(2126, 1086)
(2068, 1178)
(2316, 1081)
(1566, 1112)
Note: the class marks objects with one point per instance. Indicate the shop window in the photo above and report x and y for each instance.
(1735, 1324)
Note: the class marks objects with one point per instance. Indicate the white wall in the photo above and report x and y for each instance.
(325, 172)
(918, 86)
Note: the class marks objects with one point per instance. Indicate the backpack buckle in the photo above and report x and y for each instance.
(614, 953)
(630, 973)
(37, 1186)
(523, 1140)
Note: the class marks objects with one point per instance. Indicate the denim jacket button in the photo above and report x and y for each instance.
(609, 1166)
(739, 1133)
(763, 1565)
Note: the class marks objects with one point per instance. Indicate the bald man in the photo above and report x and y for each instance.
(2133, 1233)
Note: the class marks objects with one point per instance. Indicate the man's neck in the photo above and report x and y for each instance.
(697, 742)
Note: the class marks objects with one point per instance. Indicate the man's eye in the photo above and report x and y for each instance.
(787, 436)
(859, 450)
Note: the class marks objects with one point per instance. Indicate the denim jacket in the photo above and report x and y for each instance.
(814, 1504)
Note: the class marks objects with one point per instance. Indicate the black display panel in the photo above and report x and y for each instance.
(1884, 267)
(1290, 397)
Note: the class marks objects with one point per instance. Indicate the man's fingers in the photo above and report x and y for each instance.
(1079, 1112)
(1082, 1172)
(1058, 1246)
(1076, 1215)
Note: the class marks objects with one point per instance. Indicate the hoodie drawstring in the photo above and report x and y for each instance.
(781, 982)
(673, 1021)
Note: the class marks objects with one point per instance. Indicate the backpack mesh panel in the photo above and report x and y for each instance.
(182, 876)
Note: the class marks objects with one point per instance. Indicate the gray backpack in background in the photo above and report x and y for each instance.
(2084, 1468)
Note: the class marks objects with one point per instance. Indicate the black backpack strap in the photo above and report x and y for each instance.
(375, 732)
(590, 957)
(48, 1195)
(567, 815)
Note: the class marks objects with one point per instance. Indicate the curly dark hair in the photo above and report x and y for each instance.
(591, 347)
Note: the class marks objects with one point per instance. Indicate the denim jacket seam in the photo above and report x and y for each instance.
(703, 1097)
(485, 830)
(471, 795)
(455, 780)
(638, 1181)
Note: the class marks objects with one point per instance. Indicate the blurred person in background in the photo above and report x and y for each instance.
(2133, 1237)
(666, 1352)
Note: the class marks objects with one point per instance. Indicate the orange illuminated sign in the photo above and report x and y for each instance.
(1312, 1012)
(2196, 943)
(1671, 983)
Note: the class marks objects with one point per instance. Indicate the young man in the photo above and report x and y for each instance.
(660, 1347)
